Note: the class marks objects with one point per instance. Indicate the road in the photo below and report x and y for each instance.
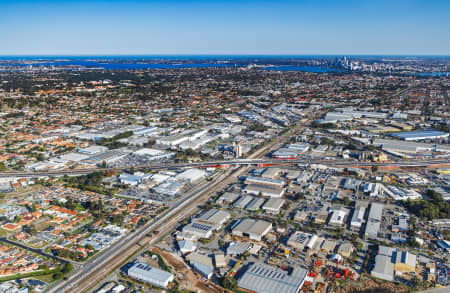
(238, 162)
(35, 250)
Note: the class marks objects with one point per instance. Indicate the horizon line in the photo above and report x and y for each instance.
(223, 54)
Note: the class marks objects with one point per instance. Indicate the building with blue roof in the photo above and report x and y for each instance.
(421, 135)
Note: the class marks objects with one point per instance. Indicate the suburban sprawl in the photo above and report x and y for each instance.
(234, 175)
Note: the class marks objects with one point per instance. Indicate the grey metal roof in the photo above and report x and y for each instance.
(146, 271)
(376, 211)
(262, 278)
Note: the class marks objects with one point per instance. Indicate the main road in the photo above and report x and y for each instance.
(237, 162)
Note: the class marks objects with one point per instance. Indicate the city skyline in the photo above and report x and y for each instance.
(225, 28)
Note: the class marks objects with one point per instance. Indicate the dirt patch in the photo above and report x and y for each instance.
(188, 280)
(371, 286)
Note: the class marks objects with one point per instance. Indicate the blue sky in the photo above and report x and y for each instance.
(399, 27)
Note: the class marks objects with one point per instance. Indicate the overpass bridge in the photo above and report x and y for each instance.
(238, 162)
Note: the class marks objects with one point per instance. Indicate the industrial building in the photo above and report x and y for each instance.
(390, 260)
(338, 216)
(374, 220)
(253, 229)
(202, 264)
(243, 201)
(357, 218)
(263, 278)
(372, 189)
(273, 205)
(238, 248)
(302, 240)
(156, 277)
(421, 135)
(255, 204)
(394, 146)
(264, 181)
(191, 175)
(227, 198)
(264, 190)
(207, 223)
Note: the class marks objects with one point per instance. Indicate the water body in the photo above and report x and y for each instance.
(130, 66)
(432, 74)
(303, 68)
(118, 66)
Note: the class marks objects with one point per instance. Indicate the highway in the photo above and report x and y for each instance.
(238, 162)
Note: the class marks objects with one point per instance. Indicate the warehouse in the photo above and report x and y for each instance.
(421, 135)
(227, 198)
(372, 189)
(298, 148)
(202, 264)
(357, 218)
(384, 268)
(273, 205)
(374, 220)
(390, 259)
(409, 147)
(338, 217)
(153, 154)
(284, 154)
(253, 229)
(263, 278)
(175, 139)
(301, 240)
(351, 184)
(169, 187)
(405, 262)
(207, 223)
(345, 249)
(255, 204)
(264, 190)
(271, 173)
(107, 157)
(264, 181)
(238, 248)
(328, 246)
(186, 246)
(144, 272)
(243, 201)
(191, 175)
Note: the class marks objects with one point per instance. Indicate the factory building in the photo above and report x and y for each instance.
(253, 229)
(357, 218)
(207, 223)
(264, 190)
(421, 135)
(263, 278)
(273, 205)
(156, 277)
(390, 260)
(374, 220)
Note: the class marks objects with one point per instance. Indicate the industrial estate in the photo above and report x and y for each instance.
(268, 175)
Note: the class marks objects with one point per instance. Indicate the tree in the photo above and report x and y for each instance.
(2, 167)
(229, 283)
(346, 200)
(66, 268)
